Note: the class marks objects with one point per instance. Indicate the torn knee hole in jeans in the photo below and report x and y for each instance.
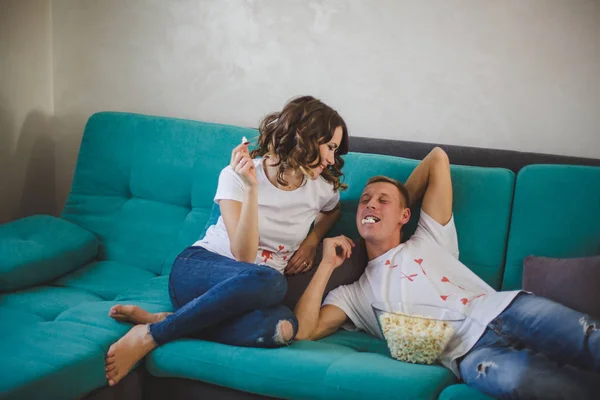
(587, 326)
(482, 368)
(284, 331)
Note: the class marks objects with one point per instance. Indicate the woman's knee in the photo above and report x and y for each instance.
(285, 332)
(269, 284)
(285, 328)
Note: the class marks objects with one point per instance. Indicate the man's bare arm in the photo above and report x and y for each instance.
(314, 321)
(431, 181)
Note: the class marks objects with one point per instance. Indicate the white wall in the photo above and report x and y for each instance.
(26, 145)
(511, 74)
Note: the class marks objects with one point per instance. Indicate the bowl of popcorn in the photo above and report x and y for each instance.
(416, 333)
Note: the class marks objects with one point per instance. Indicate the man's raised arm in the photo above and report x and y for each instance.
(431, 181)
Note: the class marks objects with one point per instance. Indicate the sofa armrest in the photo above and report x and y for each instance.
(37, 249)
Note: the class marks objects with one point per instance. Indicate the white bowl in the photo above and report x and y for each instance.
(416, 333)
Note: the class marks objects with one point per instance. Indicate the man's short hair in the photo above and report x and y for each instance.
(399, 185)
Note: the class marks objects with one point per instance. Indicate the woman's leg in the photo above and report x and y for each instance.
(267, 327)
(207, 289)
(216, 291)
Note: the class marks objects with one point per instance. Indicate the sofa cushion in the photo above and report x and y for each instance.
(463, 392)
(326, 369)
(47, 301)
(482, 206)
(49, 356)
(14, 320)
(556, 213)
(573, 282)
(155, 291)
(145, 185)
(39, 248)
(96, 315)
(105, 278)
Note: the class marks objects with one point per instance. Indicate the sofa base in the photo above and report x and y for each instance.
(183, 389)
(130, 388)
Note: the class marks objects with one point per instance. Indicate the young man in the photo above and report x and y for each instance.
(512, 344)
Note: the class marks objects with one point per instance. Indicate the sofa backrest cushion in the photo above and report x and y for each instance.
(556, 213)
(144, 185)
(482, 204)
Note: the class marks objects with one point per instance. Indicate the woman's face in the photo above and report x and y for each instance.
(327, 152)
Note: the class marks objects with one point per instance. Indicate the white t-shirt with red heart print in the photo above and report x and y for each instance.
(284, 217)
(424, 270)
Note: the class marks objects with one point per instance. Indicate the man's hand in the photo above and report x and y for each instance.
(303, 259)
(336, 250)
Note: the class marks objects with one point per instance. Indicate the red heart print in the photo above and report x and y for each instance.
(445, 297)
(281, 247)
(284, 258)
(419, 261)
(444, 279)
(387, 262)
(464, 300)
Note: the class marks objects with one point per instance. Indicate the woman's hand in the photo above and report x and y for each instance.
(243, 165)
(303, 258)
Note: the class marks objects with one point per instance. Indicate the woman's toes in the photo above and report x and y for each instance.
(115, 309)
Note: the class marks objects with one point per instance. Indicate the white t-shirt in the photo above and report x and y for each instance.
(424, 270)
(284, 217)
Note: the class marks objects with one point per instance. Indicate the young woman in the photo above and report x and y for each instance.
(228, 287)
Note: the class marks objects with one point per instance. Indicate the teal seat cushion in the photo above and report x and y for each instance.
(47, 301)
(337, 368)
(37, 249)
(105, 278)
(482, 206)
(96, 315)
(14, 321)
(155, 291)
(463, 392)
(53, 360)
(556, 213)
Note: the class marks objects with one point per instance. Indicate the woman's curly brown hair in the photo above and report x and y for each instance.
(295, 134)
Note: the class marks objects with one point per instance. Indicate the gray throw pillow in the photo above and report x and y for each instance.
(573, 282)
(345, 274)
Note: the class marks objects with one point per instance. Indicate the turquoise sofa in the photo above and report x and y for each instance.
(142, 192)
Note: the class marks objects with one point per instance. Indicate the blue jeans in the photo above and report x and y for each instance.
(219, 299)
(536, 349)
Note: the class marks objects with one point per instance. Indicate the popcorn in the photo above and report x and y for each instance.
(244, 140)
(413, 339)
(370, 220)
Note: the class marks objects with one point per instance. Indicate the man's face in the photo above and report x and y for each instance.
(381, 213)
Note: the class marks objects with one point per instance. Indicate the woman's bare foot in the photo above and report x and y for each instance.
(135, 315)
(125, 353)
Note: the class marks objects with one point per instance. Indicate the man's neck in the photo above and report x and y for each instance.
(375, 249)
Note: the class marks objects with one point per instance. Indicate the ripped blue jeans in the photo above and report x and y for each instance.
(536, 349)
(222, 300)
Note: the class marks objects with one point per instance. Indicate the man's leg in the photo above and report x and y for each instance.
(267, 327)
(495, 368)
(564, 335)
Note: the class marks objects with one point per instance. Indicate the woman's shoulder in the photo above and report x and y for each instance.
(324, 184)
